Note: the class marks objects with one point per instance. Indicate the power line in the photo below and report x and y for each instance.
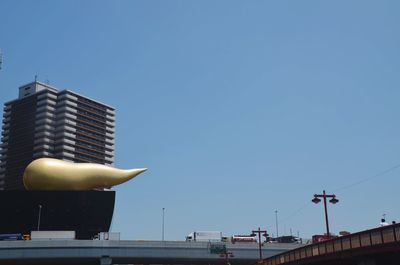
(382, 173)
(295, 212)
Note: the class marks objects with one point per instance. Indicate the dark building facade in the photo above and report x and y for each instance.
(45, 122)
(85, 212)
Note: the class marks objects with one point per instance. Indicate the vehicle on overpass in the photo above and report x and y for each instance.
(243, 238)
(205, 236)
(6, 237)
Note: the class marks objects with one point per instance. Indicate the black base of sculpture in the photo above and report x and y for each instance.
(85, 212)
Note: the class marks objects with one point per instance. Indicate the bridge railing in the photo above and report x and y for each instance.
(374, 237)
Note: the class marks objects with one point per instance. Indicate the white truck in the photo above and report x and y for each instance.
(108, 236)
(52, 235)
(205, 236)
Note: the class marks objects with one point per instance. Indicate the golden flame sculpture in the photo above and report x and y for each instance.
(55, 174)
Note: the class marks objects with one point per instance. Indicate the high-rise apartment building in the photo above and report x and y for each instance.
(45, 122)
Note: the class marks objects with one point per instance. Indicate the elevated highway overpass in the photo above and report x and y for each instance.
(106, 252)
(379, 246)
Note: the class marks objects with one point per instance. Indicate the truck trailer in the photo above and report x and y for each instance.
(205, 236)
(53, 235)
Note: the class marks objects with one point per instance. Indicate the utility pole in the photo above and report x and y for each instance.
(264, 233)
(276, 223)
(227, 255)
(163, 215)
(40, 213)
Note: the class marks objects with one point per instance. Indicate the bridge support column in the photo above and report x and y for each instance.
(106, 260)
(367, 262)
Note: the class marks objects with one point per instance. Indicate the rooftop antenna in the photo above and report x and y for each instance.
(35, 78)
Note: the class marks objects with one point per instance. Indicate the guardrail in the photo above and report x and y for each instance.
(369, 238)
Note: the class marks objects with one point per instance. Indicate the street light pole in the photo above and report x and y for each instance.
(326, 216)
(163, 214)
(276, 223)
(333, 200)
(259, 231)
(227, 255)
(40, 213)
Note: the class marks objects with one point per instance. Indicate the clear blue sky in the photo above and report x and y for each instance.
(237, 108)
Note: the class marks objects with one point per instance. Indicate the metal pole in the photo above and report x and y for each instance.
(259, 231)
(163, 214)
(40, 213)
(1, 59)
(326, 216)
(226, 255)
(259, 242)
(276, 222)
